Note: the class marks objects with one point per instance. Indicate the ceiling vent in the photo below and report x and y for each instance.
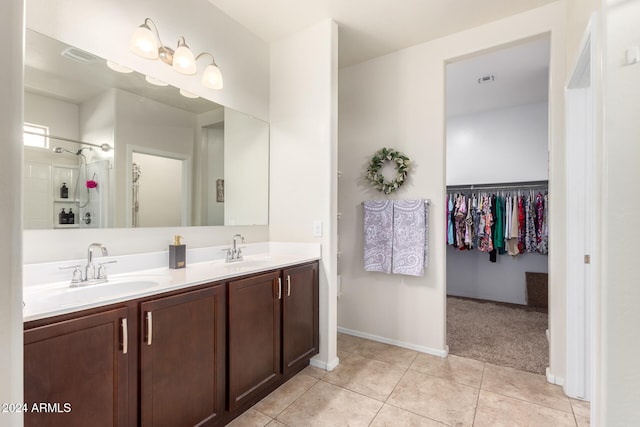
(79, 55)
(486, 79)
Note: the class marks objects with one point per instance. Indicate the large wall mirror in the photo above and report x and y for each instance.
(171, 160)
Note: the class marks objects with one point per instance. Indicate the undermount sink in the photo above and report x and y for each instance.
(62, 295)
(115, 287)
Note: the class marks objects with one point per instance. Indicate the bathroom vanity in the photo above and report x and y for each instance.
(192, 351)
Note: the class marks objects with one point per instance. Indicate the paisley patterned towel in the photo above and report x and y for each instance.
(378, 235)
(410, 243)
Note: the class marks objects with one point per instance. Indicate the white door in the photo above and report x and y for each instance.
(580, 132)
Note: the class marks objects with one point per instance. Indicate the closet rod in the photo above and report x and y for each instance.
(104, 147)
(426, 201)
(525, 185)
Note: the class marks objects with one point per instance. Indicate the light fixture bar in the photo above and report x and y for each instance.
(146, 44)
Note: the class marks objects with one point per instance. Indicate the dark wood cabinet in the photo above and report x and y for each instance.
(193, 357)
(299, 316)
(182, 367)
(253, 336)
(76, 371)
(272, 331)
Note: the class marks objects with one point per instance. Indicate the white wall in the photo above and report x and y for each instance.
(62, 118)
(498, 146)
(246, 174)
(215, 167)
(11, 103)
(619, 379)
(470, 274)
(304, 157)
(388, 102)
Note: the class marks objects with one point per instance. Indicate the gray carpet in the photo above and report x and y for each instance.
(502, 334)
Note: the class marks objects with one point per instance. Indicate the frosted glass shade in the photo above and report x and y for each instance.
(144, 43)
(188, 94)
(119, 68)
(212, 77)
(183, 60)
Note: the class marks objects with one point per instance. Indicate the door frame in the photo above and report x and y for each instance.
(581, 196)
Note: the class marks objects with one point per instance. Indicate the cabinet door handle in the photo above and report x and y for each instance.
(279, 288)
(125, 336)
(149, 328)
(288, 285)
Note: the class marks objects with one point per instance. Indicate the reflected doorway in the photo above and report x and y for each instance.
(159, 189)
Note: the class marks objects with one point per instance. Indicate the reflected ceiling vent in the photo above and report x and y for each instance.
(78, 55)
(486, 79)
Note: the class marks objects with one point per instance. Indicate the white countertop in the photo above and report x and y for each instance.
(45, 298)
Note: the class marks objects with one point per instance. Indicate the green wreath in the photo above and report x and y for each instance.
(378, 160)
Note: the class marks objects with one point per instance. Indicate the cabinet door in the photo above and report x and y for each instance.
(182, 359)
(254, 336)
(75, 371)
(299, 316)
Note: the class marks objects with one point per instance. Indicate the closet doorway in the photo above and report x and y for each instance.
(497, 205)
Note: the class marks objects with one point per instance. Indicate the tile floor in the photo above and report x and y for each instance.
(381, 385)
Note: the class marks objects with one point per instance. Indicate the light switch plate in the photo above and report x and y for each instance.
(317, 228)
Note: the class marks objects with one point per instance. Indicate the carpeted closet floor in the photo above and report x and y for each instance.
(501, 334)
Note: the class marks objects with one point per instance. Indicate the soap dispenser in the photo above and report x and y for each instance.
(71, 217)
(177, 253)
(64, 191)
(63, 217)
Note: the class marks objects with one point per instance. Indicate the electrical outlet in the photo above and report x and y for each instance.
(317, 228)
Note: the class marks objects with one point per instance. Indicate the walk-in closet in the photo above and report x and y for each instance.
(497, 206)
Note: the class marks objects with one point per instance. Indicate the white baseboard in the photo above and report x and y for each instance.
(410, 346)
(327, 366)
(553, 379)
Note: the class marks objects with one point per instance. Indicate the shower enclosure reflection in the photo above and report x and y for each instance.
(82, 173)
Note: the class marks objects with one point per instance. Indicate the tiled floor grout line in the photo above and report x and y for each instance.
(294, 400)
(575, 418)
(475, 411)
(402, 409)
(530, 402)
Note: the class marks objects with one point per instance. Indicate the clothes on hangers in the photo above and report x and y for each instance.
(498, 223)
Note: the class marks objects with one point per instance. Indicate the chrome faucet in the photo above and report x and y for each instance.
(91, 275)
(235, 253)
(90, 272)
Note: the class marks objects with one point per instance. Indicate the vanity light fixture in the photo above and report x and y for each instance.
(146, 44)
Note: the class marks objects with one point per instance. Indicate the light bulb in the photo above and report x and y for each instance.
(212, 77)
(188, 94)
(144, 43)
(119, 68)
(183, 60)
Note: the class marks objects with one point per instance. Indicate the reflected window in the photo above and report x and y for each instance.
(36, 135)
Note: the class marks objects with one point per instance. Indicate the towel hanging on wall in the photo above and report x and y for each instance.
(410, 243)
(378, 235)
(396, 236)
